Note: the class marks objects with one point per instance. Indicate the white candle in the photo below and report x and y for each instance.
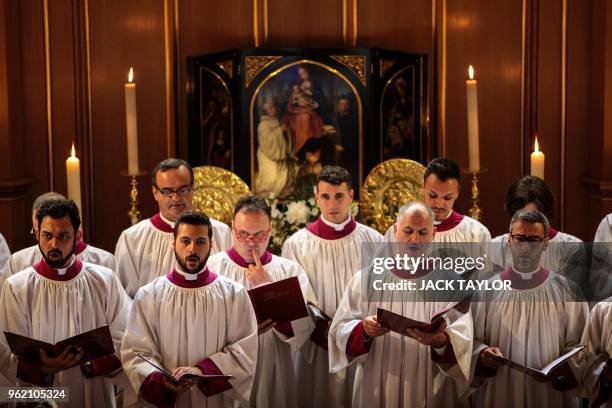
(131, 124)
(73, 177)
(472, 120)
(537, 161)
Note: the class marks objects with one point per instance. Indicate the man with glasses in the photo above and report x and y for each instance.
(31, 255)
(249, 263)
(538, 320)
(144, 250)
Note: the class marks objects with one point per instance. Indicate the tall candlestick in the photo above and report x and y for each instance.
(73, 177)
(537, 161)
(472, 120)
(131, 124)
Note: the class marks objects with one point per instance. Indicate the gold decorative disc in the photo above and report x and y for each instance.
(216, 192)
(390, 185)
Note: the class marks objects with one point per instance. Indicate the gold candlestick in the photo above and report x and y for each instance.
(475, 211)
(133, 213)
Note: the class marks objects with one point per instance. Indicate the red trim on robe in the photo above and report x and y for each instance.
(104, 365)
(205, 278)
(552, 232)
(265, 259)
(30, 372)
(403, 274)
(322, 230)
(212, 387)
(356, 345)
(517, 282)
(448, 357)
(482, 370)
(154, 391)
(285, 328)
(43, 269)
(450, 222)
(160, 224)
(79, 247)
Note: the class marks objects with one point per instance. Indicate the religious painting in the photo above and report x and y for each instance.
(216, 123)
(398, 116)
(303, 116)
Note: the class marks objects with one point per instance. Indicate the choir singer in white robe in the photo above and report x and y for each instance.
(191, 321)
(597, 374)
(61, 297)
(31, 255)
(249, 263)
(540, 319)
(440, 192)
(144, 251)
(330, 250)
(419, 369)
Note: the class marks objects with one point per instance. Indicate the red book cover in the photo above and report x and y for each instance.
(280, 301)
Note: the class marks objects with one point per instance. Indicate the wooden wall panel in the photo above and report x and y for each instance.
(123, 35)
(496, 58)
(315, 23)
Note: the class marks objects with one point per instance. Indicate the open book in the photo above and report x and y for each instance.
(185, 377)
(399, 323)
(322, 322)
(94, 344)
(281, 301)
(545, 371)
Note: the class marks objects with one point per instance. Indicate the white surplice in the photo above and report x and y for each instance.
(329, 264)
(144, 251)
(597, 337)
(5, 253)
(176, 326)
(604, 230)
(531, 327)
(53, 310)
(31, 255)
(398, 371)
(275, 382)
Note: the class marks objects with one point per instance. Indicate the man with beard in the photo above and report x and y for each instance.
(191, 321)
(330, 250)
(415, 369)
(541, 318)
(31, 255)
(144, 251)
(249, 263)
(57, 298)
(440, 192)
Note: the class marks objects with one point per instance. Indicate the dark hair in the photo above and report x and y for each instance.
(59, 208)
(530, 189)
(535, 217)
(444, 169)
(252, 203)
(193, 218)
(52, 195)
(334, 175)
(169, 164)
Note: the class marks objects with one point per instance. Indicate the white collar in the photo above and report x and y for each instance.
(337, 227)
(62, 271)
(188, 276)
(445, 218)
(167, 221)
(526, 275)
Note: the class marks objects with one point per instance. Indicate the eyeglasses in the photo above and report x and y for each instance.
(244, 236)
(168, 192)
(532, 239)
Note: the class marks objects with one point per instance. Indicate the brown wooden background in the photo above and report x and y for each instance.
(542, 65)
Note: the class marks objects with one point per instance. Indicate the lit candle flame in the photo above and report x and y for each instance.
(536, 148)
(73, 152)
(471, 72)
(131, 75)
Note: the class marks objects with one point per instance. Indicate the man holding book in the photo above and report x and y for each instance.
(532, 325)
(409, 367)
(249, 263)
